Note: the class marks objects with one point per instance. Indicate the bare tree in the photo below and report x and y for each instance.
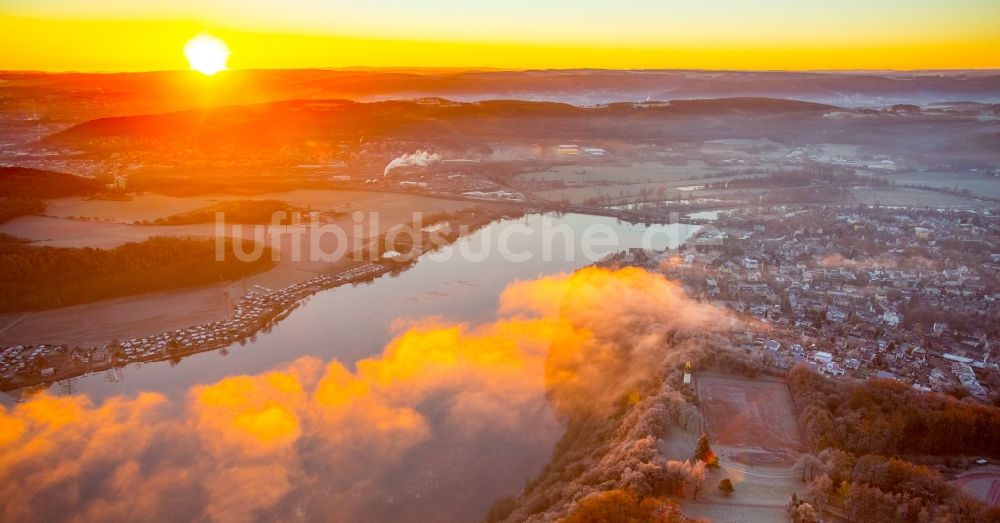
(809, 466)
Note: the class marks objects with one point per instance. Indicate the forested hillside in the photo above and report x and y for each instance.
(887, 417)
(26, 183)
(35, 278)
(866, 435)
(12, 208)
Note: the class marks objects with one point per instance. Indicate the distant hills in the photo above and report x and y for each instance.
(81, 96)
(275, 128)
(861, 89)
(427, 120)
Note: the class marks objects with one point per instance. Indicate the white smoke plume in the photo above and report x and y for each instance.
(420, 158)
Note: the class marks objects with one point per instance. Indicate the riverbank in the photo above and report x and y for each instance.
(257, 306)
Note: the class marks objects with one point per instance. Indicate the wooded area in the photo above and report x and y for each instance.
(864, 431)
(36, 278)
(27, 183)
(11, 208)
(236, 211)
(889, 418)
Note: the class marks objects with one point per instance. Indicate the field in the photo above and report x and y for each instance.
(108, 224)
(146, 206)
(906, 197)
(982, 483)
(134, 316)
(614, 174)
(150, 206)
(119, 318)
(976, 183)
(752, 420)
(752, 428)
(581, 194)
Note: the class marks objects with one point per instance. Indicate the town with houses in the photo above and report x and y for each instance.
(903, 294)
(860, 292)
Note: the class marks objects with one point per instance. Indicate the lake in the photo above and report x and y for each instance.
(444, 473)
(355, 321)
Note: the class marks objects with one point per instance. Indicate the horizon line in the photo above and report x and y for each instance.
(361, 68)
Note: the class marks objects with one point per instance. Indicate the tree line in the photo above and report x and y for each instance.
(236, 211)
(37, 278)
(887, 417)
(873, 488)
(863, 430)
(11, 208)
(825, 175)
(27, 183)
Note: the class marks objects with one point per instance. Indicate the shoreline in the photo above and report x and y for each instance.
(28, 366)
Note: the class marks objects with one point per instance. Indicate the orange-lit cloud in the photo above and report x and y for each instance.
(415, 427)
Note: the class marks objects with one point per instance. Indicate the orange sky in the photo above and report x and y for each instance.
(114, 35)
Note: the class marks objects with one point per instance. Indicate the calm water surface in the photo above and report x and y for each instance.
(349, 323)
(447, 477)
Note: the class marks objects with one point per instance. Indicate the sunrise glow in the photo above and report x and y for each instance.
(640, 261)
(206, 54)
(107, 35)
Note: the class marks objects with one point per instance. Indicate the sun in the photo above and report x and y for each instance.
(206, 54)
